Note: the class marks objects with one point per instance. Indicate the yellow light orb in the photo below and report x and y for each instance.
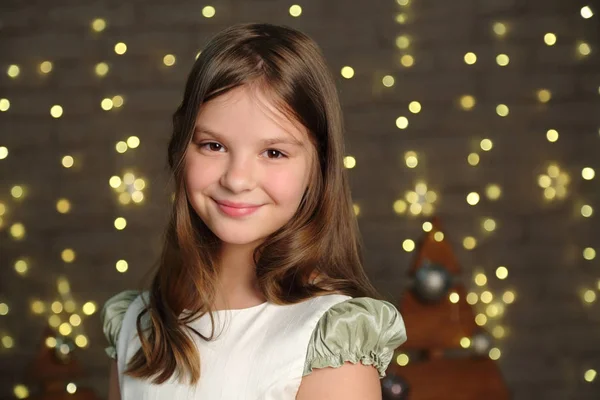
(106, 104)
(120, 223)
(208, 12)
(502, 110)
(140, 184)
(467, 102)
(584, 49)
(587, 211)
(400, 206)
(407, 61)
(122, 266)
(21, 391)
(120, 48)
(56, 307)
(56, 111)
(98, 24)
(388, 81)
(13, 71)
(402, 122)
(117, 101)
(4, 309)
(169, 60)
(403, 42)
(401, 18)
(589, 296)
(473, 159)
(37, 307)
(17, 231)
(472, 298)
(550, 39)
(588, 173)
(67, 161)
(552, 135)
(486, 145)
(586, 12)
(81, 341)
(544, 95)
(75, 320)
(499, 29)
(470, 58)
(589, 375)
(508, 297)
(469, 242)
(68, 255)
(408, 245)
(501, 272)
(454, 297)
(438, 236)
(63, 206)
(114, 182)
(50, 342)
(101, 69)
(493, 192)
(121, 147)
(17, 191)
(589, 253)
(486, 297)
(489, 224)
(427, 226)
(480, 319)
(402, 359)
(465, 342)
(45, 67)
(473, 198)
(71, 388)
(89, 308)
(21, 266)
(349, 162)
(133, 142)
(347, 72)
(495, 353)
(502, 60)
(414, 107)
(480, 279)
(4, 105)
(295, 10)
(65, 329)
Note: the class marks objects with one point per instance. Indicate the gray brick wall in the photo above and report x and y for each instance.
(553, 335)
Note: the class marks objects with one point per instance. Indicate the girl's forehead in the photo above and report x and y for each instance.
(247, 109)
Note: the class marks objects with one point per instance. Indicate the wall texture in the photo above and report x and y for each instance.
(551, 331)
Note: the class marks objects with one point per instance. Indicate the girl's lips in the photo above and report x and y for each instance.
(235, 211)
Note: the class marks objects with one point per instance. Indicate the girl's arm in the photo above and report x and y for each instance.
(113, 382)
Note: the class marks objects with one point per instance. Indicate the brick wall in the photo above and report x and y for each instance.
(552, 334)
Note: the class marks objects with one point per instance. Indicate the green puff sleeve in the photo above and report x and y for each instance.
(112, 315)
(359, 329)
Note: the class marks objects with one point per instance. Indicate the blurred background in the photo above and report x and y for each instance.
(473, 139)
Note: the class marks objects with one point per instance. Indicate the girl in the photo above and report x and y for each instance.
(262, 245)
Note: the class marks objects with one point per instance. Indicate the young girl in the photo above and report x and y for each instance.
(262, 246)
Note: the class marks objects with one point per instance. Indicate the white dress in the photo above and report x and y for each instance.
(262, 352)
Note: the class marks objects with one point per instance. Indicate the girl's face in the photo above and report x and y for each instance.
(245, 151)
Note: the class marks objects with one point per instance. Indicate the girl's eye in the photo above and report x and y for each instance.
(273, 151)
(278, 154)
(208, 144)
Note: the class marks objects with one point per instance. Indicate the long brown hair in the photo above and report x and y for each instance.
(321, 238)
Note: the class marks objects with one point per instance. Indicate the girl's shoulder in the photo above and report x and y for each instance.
(357, 329)
(113, 314)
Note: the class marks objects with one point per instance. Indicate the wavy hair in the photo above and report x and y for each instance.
(321, 239)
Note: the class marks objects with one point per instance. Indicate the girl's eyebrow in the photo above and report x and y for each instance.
(265, 142)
